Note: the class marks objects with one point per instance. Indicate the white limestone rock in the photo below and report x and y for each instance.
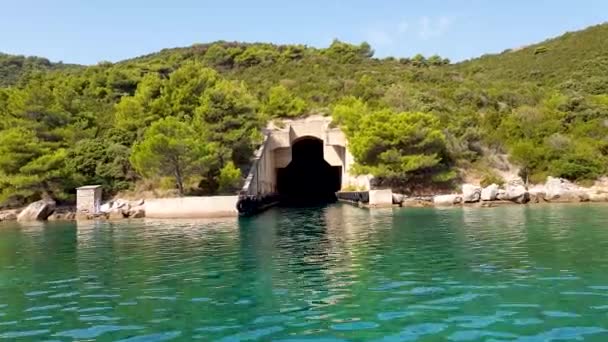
(138, 203)
(471, 193)
(501, 195)
(538, 194)
(137, 212)
(489, 193)
(514, 191)
(8, 216)
(106, 207)
(447, 199)
(37, 211)
(120, 203)
(562, 190)
(515, 182)
(598, 196)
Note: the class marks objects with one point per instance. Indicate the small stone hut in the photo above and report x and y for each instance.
(88, 199)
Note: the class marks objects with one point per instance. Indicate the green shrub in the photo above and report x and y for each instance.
(540, 49)
(229, 179)
(490, 178)
(577, 168)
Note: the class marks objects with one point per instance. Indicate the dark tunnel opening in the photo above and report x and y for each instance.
(308, 179)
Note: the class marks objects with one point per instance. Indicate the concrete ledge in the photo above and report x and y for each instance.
(192, 207)
(380, 198)
(353, 197)
(371, 198)
(249, 205)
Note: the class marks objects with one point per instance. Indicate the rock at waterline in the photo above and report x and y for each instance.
(106, 207)
(138, 203)
(63, 216)
(489, 193)
(471, 193)
(121, 208)
(116, 214)
(8, 216)
(598, 197)
(115, 205)
(561, 190)
(447, 199)
(137, 212)
(515, 191)
(37, 211)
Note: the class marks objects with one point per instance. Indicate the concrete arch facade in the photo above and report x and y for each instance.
(276, 153)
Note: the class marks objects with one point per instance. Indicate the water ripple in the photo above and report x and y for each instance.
(95, 331)
(336, 273)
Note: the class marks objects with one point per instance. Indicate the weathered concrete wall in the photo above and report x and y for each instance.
(262, 178)
(192, 207)
(282, 156)
(88, 199)
(380, 198)
(276, 151)
(334, 155)
(335, 136)
(354, 197)
(313, 126)
(371, 198)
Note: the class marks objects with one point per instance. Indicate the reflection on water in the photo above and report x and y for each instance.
(331, 273)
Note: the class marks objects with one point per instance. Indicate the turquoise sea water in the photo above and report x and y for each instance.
(336, 273)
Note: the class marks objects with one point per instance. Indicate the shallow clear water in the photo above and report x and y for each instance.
(331, 274)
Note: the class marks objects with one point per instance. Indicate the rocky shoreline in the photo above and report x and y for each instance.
(47, 210)
(514, 191)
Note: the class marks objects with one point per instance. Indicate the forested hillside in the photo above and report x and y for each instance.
(190, 118)
(14, 68)
(575, 60)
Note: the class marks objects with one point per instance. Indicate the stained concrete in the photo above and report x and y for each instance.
(380, 198)
(276, 153)
(192, 207)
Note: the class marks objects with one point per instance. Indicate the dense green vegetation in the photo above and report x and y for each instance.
(14, 68)
(575, 61)
(194, 114)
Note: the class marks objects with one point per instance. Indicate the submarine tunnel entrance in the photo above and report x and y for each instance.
(308, 178)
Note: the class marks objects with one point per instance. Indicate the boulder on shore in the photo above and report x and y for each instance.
(37, 211)
(138, 203)
(598, 196)
(114, 205)
(116, 214)
(489, 193)
(515, 191)
(416, 202)
(137, 212)
(8, 216)
(106, 207)
(120, 205)
(471, 193)
(447, 199)
(538, 193)
(562, 190)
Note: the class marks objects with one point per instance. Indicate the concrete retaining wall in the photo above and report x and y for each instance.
(355, 197)
(372, 198)
(192, 207)
(380, 198)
